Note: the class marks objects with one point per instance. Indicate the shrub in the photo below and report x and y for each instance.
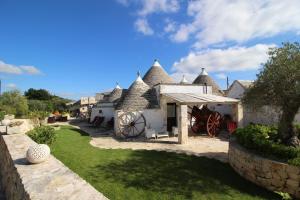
(2, 113)
(43, 135)
(264, 140)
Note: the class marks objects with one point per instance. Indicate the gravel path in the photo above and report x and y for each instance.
(216, 148)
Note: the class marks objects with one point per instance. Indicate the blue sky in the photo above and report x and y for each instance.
(76, 48)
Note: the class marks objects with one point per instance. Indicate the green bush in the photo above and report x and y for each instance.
(264, 141)
(2, 113)
(43, 135)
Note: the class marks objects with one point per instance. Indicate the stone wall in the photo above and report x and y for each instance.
(47, 180)
(273, 175)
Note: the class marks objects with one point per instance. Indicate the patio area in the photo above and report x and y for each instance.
(216, 148)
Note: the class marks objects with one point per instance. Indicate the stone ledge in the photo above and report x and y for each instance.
(47, 180)
(270, 174)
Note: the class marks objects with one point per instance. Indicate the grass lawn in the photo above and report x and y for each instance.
(127, 174)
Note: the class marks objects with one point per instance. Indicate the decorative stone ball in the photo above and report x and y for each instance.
(38, 153)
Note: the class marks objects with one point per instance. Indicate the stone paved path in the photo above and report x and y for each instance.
(216, 148)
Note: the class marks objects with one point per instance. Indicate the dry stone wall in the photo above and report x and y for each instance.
(47, 180)
(272, 175)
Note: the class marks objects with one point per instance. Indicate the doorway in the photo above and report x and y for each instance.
(171, 116)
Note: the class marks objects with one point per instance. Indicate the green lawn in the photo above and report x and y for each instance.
(127, 174)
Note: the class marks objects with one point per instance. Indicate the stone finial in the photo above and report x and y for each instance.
(118, 86)
(183, 80)
(203, 72)
(139, 76)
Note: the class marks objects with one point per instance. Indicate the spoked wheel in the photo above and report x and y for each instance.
(132, 124)
(195, 125)
(213, 124)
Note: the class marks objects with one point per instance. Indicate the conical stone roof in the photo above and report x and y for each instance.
(116, 94)
(156, 74)
(138, 97)
(204, 78)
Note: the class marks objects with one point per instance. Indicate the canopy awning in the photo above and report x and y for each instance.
(190, 98)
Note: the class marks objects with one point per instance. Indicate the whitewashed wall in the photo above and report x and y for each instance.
(196, 89)
(265, 115)
(236, 91)
(154, 119)
(107, 112)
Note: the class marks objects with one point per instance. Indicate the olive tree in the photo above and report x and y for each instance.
(278, 85)
(13, 102)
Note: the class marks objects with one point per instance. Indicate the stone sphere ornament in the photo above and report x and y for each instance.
(38, 153)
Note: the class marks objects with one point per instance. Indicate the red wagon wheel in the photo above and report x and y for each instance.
(194, 123)
(213, 124)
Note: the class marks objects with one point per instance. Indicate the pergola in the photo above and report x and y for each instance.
(183, 100)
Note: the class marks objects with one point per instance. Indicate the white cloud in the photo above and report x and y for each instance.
(220, 21)
(30, 70)
(148, 7)
(221, 76)
(9, 69)
(13, 69)
(11, 86)
(222, 60)
(156, 6)
(142, 26)
(170, 26)
(123, 2)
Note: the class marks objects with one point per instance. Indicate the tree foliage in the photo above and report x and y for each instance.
(40, 94)
(42, 100)
(278, 84)
(13, 102)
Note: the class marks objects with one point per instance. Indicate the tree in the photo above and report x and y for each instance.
(40, 94)
(13, 102)
(278, 85)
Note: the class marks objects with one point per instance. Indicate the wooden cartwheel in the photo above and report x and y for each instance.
(132, 124)
(205, 120)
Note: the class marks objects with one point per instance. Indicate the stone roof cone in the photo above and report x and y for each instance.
(156, 74)
(138, 97)
(183, 80)
(116, 94)
(204, 78)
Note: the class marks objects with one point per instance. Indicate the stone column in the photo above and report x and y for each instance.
(163, 107)
(116, 122)
(182, 125)
(238, 114)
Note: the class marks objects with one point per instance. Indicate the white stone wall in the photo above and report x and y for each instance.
(195, 89)
(236, 91)
(154, 119)
(107, 113)
(48, 180)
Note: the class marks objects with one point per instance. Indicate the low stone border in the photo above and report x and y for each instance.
(48, 180)
(270, 174)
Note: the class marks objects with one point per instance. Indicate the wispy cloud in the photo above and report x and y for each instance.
(222, 60)
(220, 21)
(13, 69)
(142, 26)
(11, 86)
(221, 76)
(30, 70)
(149, 7)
